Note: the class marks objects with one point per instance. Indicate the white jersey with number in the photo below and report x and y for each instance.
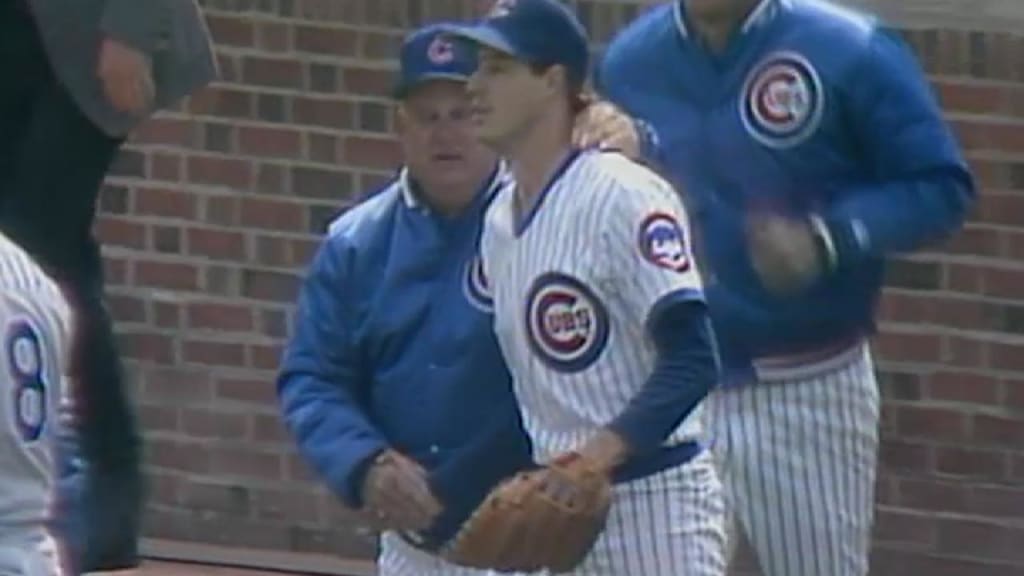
(574, 284)
(35, 329)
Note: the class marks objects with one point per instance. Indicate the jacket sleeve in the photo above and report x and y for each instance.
(321, 386)
(919, 187)
(139, 23)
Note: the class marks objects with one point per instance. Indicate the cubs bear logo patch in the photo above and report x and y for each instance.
(567, 325)
(782, 101)
(663, 243)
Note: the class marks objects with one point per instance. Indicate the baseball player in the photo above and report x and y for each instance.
(599, 308)
(811, 149)
(35, 328)
(393, 383)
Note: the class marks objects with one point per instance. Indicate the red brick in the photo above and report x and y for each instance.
(274, 37)
(155, 418)
(165, 202)
(265, 357)
(213, 353)
(933, 496)
(163, 488)
(998, 431)
(179, 456)
(371, 152)
(270, 142)
(247, 390)
(177, 386)
(272, 72)
(273, 286)
(931, 423)
(898, 455)
(113, 231)
(219, 316)
(147, 346)
(171, 275)
(299, 506)
(330, 41)
(206, 498)
(367, 81)
(125, 308)
(167, 314)
(972, 463)
(998, 501)
(222, 210)
(266, 214)
(904, 527)
(322, 112)
(909, 346)
(165, 132)
(232, 31)
(216, 244)
(165, 167)
(1006, 356)
(963, 387)
(204, 423)
(241, 462)
(269, 429)
(229, 172)
(1003, 209)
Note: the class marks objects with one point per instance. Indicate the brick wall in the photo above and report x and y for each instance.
(213, 210)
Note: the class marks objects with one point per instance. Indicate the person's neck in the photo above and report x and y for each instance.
(716, 32)
(536, 156)
(453, 200)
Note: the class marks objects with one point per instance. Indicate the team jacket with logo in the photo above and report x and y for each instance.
(811, 109)
(393, 346)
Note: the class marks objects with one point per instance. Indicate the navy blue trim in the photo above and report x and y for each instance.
(527, 218)
(652, 463)
(681, 295)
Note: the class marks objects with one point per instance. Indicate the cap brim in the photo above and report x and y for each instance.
(484, 35)
(402, 90)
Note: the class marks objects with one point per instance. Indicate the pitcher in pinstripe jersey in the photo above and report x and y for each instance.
(598, 304)
(35, 328)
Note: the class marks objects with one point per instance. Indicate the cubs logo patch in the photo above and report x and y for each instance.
(663, 243)
(475, 286)
(567, 325)
(782, 100)
(440, 51)
(501, 8)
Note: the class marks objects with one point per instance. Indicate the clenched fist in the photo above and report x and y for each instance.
(396, 495)
(786, 252)
(127, 76)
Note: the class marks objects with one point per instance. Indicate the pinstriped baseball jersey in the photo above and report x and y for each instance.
(35, 328)
(573, 284)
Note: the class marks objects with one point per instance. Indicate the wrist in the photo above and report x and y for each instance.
(606, 450)
(825, 243)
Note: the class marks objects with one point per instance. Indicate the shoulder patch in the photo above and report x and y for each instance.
(662, 242)
(782, 101)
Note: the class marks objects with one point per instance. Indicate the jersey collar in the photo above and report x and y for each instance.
(763, 13)
(408, 187)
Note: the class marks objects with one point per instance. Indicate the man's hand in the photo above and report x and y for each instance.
(127, 77)
(605, 450)
(604, 124)
(785, 252)
(396, 493)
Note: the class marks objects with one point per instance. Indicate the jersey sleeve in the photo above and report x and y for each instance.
(645, 248)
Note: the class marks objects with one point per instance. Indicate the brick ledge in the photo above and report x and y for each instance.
(285, 562)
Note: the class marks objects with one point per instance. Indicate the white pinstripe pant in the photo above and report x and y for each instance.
(398, 558)
(667, 524)
(798, 460)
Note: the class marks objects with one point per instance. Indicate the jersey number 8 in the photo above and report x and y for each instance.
(25, 366)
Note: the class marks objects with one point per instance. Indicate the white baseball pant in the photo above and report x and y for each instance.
(797, 458)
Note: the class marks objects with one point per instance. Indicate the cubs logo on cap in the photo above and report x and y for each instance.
(782, 100)
(440, 51)
(567, 325)
(429, 54)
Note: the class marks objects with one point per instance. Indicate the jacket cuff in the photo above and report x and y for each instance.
(140, 24)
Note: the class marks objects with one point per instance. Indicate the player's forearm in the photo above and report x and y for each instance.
(685, 371)
(900, 216)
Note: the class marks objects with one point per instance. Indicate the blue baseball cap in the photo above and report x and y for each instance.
(542, 32)
(429, 54)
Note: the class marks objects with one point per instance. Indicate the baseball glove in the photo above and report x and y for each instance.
(548, 518)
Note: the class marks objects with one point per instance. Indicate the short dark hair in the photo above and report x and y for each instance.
(579, 95)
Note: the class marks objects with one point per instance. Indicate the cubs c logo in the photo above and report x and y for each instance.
(475, 286)
(662, 242)
(782, 100)
(501, 8)
(440, 51)
(566, 324)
